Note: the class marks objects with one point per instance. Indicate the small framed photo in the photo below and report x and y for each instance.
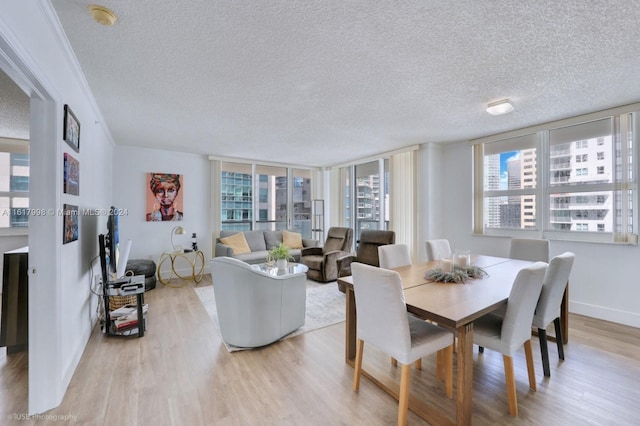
(69, 223)
(71, 129)
(71, 175)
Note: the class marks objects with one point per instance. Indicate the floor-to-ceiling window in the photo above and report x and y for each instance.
(272, 187)
(366, 196)
(377, 194)
(265, 197)
(301, 200)
(371, 203)
(236, 188)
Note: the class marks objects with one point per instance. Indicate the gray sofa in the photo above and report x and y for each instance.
(260, 242)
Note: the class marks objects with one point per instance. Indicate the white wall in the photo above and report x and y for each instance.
(34, 50)
(603, 282)
(150, 239)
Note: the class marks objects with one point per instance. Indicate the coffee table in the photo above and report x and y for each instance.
(273, 270)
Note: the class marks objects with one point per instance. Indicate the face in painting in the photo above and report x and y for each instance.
(166, 194)
(165, 188)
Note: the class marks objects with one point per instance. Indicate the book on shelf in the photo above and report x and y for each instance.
(129, 319)
(126, 321)
(127, 310)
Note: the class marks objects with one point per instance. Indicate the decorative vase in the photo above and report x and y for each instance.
(281, 263)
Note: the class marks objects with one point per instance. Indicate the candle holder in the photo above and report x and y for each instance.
(461, 258)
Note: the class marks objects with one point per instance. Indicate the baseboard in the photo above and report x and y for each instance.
(614, 315)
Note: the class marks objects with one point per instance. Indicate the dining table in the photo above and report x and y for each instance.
(454, 306)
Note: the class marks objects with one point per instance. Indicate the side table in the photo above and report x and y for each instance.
(193, 260)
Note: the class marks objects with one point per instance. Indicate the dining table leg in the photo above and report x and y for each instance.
(350, 326)
(464, 400)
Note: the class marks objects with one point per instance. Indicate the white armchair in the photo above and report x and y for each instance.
(254, 307)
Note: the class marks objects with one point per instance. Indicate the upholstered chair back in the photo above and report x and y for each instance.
(438, 249)
(394, 256)
(338, 239)
(532, 249)
(370, 240)
(382, 312)
(555, 281)
(516, 325)
(254, 307)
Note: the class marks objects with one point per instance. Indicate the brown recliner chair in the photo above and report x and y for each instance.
(367, 251)
(323, 261)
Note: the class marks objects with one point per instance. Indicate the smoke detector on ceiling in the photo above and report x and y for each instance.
(102, 15)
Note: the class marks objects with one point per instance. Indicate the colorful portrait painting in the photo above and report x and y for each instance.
(164, 197)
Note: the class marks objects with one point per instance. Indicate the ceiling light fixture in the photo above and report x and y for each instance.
(500, 107)
(102, 15)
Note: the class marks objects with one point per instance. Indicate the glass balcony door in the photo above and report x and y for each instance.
(265, 197)
(371, 196)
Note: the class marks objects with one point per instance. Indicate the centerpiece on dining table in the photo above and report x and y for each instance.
(457, 269)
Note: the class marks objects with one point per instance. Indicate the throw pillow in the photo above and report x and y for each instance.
(237, 242)
(293, 240)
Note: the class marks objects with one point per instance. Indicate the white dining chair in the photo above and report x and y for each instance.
(438, 249)
(507, 334)
(382, 321)
(394, 256)
(548, 308)
(532, 249)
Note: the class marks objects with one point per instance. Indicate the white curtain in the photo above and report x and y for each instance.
(403, 200)
(337, 207)
(215, 221)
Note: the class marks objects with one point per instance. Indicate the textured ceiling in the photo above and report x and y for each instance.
(321, 82)
(14, 109)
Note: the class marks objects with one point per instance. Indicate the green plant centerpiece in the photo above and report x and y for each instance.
(459, 274)
(281, 254)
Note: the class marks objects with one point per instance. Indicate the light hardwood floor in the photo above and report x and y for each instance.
(180, 373)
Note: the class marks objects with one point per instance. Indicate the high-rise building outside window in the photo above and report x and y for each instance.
(590, 183)
(14, 183)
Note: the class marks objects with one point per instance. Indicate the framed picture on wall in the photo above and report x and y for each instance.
(164, 197)
(71, 175)
(71, 129)
(69, 223)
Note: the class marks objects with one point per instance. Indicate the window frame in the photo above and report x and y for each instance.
(255, 177)
(623, 186)
(14, 146)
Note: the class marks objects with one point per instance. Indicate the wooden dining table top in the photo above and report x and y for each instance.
(455, 304)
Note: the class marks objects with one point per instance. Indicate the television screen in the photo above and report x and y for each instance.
(113, 257)
(102, 247)
(113, 240)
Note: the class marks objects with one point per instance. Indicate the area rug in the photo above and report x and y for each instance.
(325, 307)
